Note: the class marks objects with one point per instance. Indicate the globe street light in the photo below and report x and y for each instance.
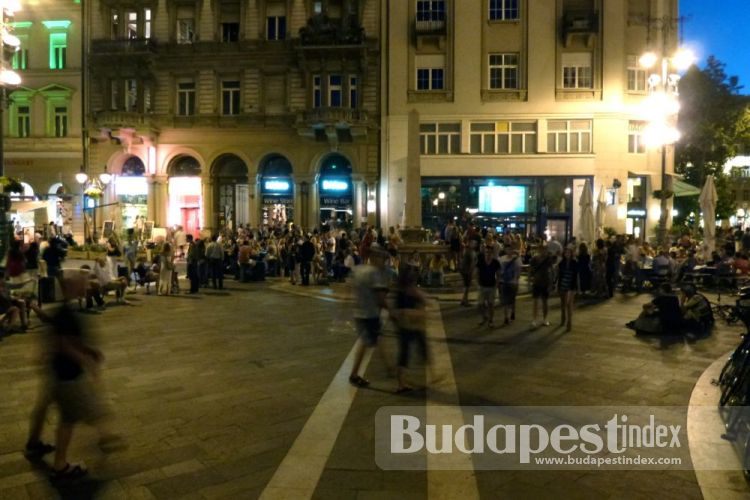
(660, 110)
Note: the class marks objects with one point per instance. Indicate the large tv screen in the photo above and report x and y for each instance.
(502, 199)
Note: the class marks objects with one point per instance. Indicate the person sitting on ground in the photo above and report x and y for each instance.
(10, 309)
(108, 282)
(696, 310)
(661, 315)
(437, 266)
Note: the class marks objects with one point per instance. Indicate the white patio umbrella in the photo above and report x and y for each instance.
(601, 210)
(587, 226)
(708, 207)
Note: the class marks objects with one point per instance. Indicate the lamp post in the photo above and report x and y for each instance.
(661, 107)
(94, 187)
(81, 179)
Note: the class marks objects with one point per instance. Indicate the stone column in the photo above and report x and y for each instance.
(207, 198)
(413, 208)
(359, 201)
(159, 201)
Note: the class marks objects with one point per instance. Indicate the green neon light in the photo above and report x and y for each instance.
(62, 23)
(21, 24)
(58, 47)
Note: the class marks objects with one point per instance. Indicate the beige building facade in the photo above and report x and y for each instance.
(218, 113)
(514, 105)
(42, 121)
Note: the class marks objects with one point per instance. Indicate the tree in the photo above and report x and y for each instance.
(714, 120)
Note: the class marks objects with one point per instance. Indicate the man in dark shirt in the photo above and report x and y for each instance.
(306, 254)
(488, 267)
(540, 268)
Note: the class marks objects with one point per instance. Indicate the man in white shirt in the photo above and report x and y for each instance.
(107, 281)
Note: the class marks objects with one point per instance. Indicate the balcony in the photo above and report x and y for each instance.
(333, 124)
(324, 31)
(584, 23)
(136, 46)
(430, 27)
(115, 120)
(430, 30)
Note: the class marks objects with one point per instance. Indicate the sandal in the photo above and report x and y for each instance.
(69, 472)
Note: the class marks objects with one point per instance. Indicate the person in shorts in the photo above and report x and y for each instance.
(370, 290)
(540, 269)
(510, 272)
(487, 267)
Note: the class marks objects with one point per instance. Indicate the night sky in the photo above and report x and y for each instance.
(720, 29)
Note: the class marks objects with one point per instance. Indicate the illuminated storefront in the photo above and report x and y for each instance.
(277, 190)
(635, 223)
(131, 190)
(335, 190)
(231, 196)
(185, 195)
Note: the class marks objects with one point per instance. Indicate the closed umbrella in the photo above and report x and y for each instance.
(587, 225)
(601, 211)
(708, 207)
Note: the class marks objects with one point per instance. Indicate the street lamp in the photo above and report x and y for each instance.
(661, 108)
(93, 187)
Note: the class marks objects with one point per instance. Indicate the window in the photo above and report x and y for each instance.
(61, 121)
(146, 23)
(635, 137)
(503, 138)
(58, 48)
(230, 32)
(335, 94)
(440, 138)
(131, 30)
(503, 71)
(131, 95)
(503, 10)
(430, 79)
(577, 70)
(276, 28)
(114, 25)
(430, 10)
(569, 136)
(318, 7)
(230, 97)
(185, 30)
(186, 98)
(20, 59)
(317, 91)
(636, 75)
(23, 121)
(353, 92)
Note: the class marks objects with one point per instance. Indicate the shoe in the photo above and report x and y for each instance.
(545, 323)
(37, 450)
(358, 381)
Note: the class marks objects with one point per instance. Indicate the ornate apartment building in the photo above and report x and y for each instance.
(42, 121)
(504, 108)
(224, 112)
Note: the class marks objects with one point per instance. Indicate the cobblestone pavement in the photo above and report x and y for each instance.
(211, 392)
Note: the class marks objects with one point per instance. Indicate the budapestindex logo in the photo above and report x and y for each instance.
(446, 437)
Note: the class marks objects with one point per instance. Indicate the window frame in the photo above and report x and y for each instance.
(638, 74)
(452, 139)
(335, 89)
(501, 10)
(431, 79)
(569, 133)
(575, 75)
(58, 53)
(23, 120)
(503, 68)
(60, 121)
(231, 97)
(279, 25)
(317, 91)
(636, 143)
(503, 131)
(188, 95)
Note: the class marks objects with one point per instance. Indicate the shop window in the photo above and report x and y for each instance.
(503, 138)
(58, 50)
(61, 121)
(114, 94)
(503, 10)
(440, 138)
(230, 97)
(636, 75)
(635, 137)
(503, 71)
(186, 98)
(637, 191)
(577, 72)
(569, 136)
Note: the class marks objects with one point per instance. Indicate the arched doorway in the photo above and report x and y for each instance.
(185, 196)
(335, 190)
(277, 190)
(231, 200)
(23, 219)
(131, 191)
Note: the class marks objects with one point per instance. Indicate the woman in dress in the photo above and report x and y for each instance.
(599, 268)
(166, 263)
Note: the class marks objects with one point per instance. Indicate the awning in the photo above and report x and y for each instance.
(682, 188)
(27, 206)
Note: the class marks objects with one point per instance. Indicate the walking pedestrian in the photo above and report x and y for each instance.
(510, 272)
(567, 284)
(467, 266)
(540, 269)
(410, 319)
(370, 289)
(215, 258)
(192, 264)
(166, 268)
(488, 267)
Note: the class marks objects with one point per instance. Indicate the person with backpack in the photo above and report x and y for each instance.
(510, 272)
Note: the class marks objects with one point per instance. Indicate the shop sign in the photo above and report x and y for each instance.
(335, 201)
(276, 186)
(636, 213)
(278, 200)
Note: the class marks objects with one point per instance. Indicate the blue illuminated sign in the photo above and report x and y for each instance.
(276, 185)
(334, 185)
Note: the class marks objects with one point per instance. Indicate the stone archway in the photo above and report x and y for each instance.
(231, 191)
(277, 189)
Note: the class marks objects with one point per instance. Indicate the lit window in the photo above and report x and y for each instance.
(61, 121)
(569, 136)
(58, 48)
(317, 91)
(636, 75)
(114, 94)
(146, 23)
(503, 71)
(230, 97)
(635, 137)
(440, 138)
(131, 95)
(503, 10)
(132, 26)
(577, 70)
(23, 121)
(114, 25)
(335, 91)
(185, 30)
(186, 98)
(276, 28)
(503, 138)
